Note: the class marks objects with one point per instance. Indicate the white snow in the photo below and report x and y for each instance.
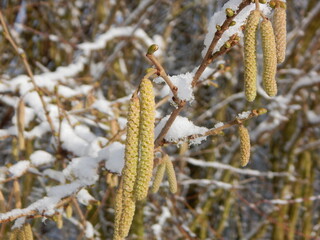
(182, 127)
(84, 197)
(182, 82)
(55, 175)
(114, 157)
(19, 168)
(18, 223)
(89, 232)
(157, 228)
(41, 157)
(244, 115)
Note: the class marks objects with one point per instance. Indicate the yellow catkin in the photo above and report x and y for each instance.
(2, 203)
(117, 215)
(129, 171)
(171, 176)
(158, 177)
(17, 193)
(269, 58)
(69, 211)
(250, 59)
(14, 234)
(244, 145)
(146, 137)
(28, 231)
(21, 234)
(20, 124)
(280, 32)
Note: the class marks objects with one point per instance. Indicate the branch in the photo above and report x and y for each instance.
(209, 57)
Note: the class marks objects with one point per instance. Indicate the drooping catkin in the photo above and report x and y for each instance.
(28, 231)
(2, 203)
(146, 137)
(69, 211)
(17, 193)
(269, 58)
(158, 177)
(117, 215)
(129, 171)
(21, 234)
(280, 31)
(171, 176)
(20, 124)
(250, 60)
(244, 145)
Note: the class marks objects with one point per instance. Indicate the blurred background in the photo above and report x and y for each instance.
(277, 196)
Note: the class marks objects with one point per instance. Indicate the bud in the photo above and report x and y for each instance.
(280, 31)
(152, 49)
(233, 23)
(269, 58)
(146, 137)
(272, 4)
(244, 145)
(171, 176)
(229, 12)
(263, 1)
(218, 27)
(227, 44)
(250, 61)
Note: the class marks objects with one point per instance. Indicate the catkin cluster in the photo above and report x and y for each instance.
(165, 166)
(23, 233)
(273, 47)
(139, 148)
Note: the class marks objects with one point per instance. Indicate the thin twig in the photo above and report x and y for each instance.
(25, 62)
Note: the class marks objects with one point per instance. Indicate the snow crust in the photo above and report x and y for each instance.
(41, 157)
(19, 168)
(114, 157)
(181, 128)
(182, 82)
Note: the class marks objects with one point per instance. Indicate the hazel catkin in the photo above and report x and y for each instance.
(269, 58)
(158, 177)
(129, 171)
(280, 31)
(244, 145)
(146, 137)
(171, 176)
(250, 61)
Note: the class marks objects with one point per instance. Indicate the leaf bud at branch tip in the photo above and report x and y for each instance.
(229, 12)
(152, 49)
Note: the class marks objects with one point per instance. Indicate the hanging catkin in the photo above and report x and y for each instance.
(117, 215)
(269, 58)
(129, 171)
(28, 231)
(171, 176)
(146, 137)
(159, 176)
(20, 124)
(244, 145)
(250, 61)
(280, 31)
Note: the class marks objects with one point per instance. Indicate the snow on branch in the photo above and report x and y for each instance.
(220, 16)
